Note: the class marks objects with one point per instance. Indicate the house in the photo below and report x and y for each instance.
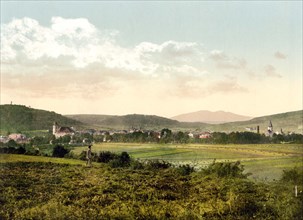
(19, 138)
(205, 135)
(4, 139)
(62, 131)
(191, 135)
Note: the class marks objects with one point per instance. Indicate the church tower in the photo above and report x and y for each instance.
(55, 128)
(270, 129)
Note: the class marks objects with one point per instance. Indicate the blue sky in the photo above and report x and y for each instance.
(152, 57)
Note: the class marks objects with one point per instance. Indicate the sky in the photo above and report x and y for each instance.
(152, 57)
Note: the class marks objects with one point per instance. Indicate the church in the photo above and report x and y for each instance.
(270, 130)
(62, 131)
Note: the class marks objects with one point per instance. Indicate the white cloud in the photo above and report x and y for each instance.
(83, 44)
(226, 62)
(59, 58)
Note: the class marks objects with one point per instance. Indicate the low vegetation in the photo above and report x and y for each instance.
(154, 190)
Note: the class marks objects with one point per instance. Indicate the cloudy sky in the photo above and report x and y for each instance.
(159, 58)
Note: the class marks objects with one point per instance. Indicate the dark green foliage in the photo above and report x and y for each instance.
(157, 164)
(167, 136)
(125, 158)
(16, 118)
(185, 169)
(59, 151)
(226, 169)
(106, 156)
(41, 140)
(62, 140)
(292, 138)
(12, 150)
(82, 156)
(181, 137)
(294, 175)
(59, 191)
(122, 160)
(114, 160)
(12, 143)
(136, 165)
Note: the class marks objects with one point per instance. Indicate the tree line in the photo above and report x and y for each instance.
(162, 137)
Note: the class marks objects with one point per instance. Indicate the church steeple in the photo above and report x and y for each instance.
(270, 129)
(55, 128)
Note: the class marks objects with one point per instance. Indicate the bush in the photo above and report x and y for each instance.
(157, 164)
(122, 160)
(106, 156)
(125, 158)
(12, 150)
(226, 169)
(294, 176)
(136, 165)
(185, 169)
(59, 151)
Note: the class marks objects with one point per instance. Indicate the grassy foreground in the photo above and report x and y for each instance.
(264, 161)
(50, 188)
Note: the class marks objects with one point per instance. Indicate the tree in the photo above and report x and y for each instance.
(59, 151)
(166, 135)
(181, 137)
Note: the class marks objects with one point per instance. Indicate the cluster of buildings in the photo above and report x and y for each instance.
(19, 138)
(59, 131)
(62, 131)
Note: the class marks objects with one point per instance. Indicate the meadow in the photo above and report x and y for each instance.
(263, 161)
(39, 187)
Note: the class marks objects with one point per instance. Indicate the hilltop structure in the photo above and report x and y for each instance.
(62, 131)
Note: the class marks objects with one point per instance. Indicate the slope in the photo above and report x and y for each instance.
(126, 121)
(17, 118)
(288, 122)
(211, 117)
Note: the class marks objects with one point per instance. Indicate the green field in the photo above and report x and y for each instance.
(36, 187)
(264, 161)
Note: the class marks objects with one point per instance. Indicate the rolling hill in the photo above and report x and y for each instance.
(217, 117)
(18, 118)
(126, 121)
(288, 122)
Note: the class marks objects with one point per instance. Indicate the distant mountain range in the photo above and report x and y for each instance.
(17, 118)
(209, 117)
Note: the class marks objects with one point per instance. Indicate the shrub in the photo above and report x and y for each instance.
(106, 156)
(136, 165)
(294, 175)
(59, 151)
(12, 150)
(125, 158)
(226, 169)
(122, 160)
(157, 164)
(185, 169)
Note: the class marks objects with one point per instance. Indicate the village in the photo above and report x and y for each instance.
(70, 135)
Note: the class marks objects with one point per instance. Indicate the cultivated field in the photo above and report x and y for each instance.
(264, 161)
